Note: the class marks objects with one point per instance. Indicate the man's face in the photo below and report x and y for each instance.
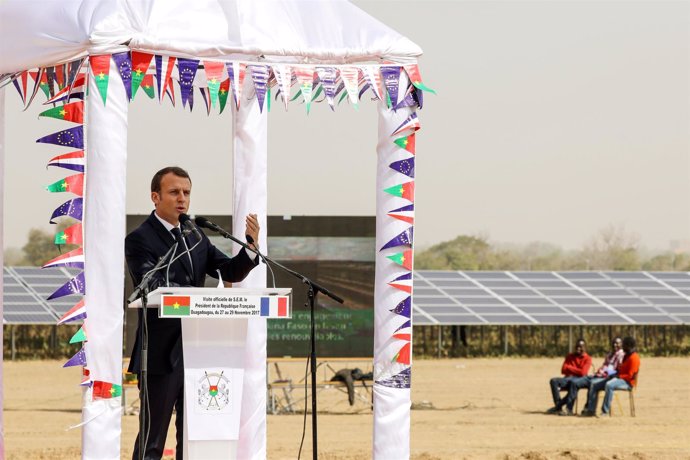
(617, 344)
(580, 347)
(173, 198)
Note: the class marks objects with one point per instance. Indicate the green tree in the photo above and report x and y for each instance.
(612, 249)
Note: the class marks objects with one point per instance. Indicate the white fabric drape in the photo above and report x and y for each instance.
(104, 235)
(250, 191)
(391, 404)
(2, 261)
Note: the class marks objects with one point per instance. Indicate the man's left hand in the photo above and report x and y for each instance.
(252, 229)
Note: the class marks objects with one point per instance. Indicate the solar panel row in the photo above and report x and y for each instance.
(551, 298)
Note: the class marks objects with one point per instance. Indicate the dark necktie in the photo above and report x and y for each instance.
(182, 247)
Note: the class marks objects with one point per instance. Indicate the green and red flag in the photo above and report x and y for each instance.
(70, 235)
(403, 356)
(106, 390)
(140, 65)
(416, 78)
(147, 86)
(100, 68)
(405, 190)
(176, 305)
(74, 112)
(223, 91)
(43, 76)
(403, 258)
(74, 184)
(214, 75)
(407, 143)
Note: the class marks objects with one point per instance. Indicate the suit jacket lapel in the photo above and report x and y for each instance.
(169, 240)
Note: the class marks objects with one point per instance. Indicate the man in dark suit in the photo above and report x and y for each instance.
(170, 192)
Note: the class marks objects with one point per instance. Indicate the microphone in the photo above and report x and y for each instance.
(189, 226)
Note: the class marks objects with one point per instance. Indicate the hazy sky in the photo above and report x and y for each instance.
(552, 121)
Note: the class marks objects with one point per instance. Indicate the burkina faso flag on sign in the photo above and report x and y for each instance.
(176, 305)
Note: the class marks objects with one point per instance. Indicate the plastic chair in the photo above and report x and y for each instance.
(631, 394)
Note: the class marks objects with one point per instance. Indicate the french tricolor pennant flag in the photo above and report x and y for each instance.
(403, 282)
(71, 259)
(75, 313)
(274, 306)
(74, 161)
(412, 122)
(77, 90)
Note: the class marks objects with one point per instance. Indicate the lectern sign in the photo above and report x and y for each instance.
(225, 306)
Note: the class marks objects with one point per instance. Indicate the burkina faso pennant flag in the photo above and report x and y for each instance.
(106, 390)
(140, 65)
(405, 190)
(74, 112)
(70, 235)
(100, 67)
(74, 184)
(176, 305)
(147, 86)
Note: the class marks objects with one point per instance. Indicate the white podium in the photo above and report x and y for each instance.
(214, 358)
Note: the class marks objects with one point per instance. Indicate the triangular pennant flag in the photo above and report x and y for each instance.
(403, 356)
(403, 282)
(37, 77)
(412, 98)
(411, 122)
(283, 75)
(372, 75)
(329, 81)
(21, 83)
(124, 67)
(223, 93)
(77, 312)
(71, 208)
(405, 166)
(74, 112)
(403, 258)
(76, 90)
(205, 97)
(73, 160)
(405, 190)
(50, 80)
(350, 76)
(214, 75)
(403, 308)
(106, 390)
(236, 72)
(170, 91)
(305, 79)
(401, 380)
(74, 286)
(147, 86)
(405, 238)
(74, 69)
(187, 69)
(79, 359)
(260, 79)
(71, 259)
(407, 143)
(41, 78)
(60, 71)
(79, 336)
(74, 184)
(405, 325)
(140, 65)
(406, 214)
(391, 79)
(164, 68)
(85, 377)
(416, 78)
(70, 235)
(100, 69)
(268, 98)
(73, 137)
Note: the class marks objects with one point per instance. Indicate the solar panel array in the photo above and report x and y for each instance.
(25, 290)
(550, 298)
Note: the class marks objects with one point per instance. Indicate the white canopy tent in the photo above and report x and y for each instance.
(289, 39)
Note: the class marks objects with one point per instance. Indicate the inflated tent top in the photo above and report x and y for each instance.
(36, 33)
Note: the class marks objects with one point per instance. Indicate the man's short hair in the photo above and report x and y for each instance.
(176, 170)
(629, 342)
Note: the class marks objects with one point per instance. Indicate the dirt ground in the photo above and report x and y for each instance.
(470, 409)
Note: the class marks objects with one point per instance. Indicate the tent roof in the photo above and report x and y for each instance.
(37, 33)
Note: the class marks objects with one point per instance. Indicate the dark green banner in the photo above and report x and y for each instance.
(339, 333)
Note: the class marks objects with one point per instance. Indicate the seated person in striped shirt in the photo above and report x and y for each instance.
(575, 366)
(624, 379)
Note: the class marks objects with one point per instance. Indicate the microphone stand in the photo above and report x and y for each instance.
(313, 290)
(143, 289)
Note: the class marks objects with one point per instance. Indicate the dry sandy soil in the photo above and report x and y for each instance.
(482, 408)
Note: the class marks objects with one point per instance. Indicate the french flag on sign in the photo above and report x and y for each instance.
(274, 306)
